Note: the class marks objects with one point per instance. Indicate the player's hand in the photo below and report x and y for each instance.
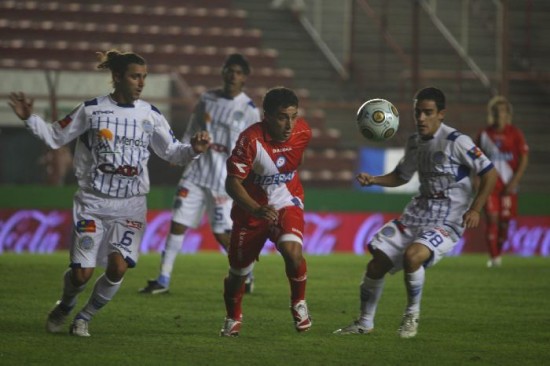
(21, 105)
(267, 212)
(471, 219)
(200, 142)
(365, 179)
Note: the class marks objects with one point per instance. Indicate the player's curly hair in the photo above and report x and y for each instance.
(492, 109)
(237, 59)
(118, 61)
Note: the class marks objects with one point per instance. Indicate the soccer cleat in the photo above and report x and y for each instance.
(409, 326)
(249, 284)
(354, 328)
(79, 328)
(494, 262)
(154, 288)
(231, 328)
(56, 319)
(302, 321)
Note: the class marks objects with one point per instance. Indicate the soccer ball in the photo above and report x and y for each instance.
(378, 120)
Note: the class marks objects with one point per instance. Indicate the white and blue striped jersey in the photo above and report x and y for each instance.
(445, 165)
(224, 119)
(111, 152)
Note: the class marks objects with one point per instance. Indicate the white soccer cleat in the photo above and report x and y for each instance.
(79, 328)
(56, 319)
(231, 328)
(354, 328)
(494, 262)
(300, 314)
(409, 326)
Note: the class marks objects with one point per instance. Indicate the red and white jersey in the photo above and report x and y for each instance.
(224, 119)
(112, 149)
(504, 148)
(269, 168)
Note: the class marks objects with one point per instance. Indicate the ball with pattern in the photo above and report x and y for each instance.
(378, 119)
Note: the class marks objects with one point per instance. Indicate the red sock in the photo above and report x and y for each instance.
(492, 239)
(233, 296)
(502, 235)
(297, 279)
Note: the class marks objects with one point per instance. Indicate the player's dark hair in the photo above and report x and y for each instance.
(279, 97)
(117, 61)
(237, 59)
(431, 93)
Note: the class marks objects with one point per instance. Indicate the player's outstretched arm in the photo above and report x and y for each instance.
(236, 190)
(21, 105)
(388, 180)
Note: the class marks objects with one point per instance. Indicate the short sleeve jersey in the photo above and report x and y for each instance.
(444, 164)
(269, 168)
(504, 148)
(224, 118)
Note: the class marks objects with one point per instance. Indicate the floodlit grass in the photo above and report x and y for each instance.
(470, 315)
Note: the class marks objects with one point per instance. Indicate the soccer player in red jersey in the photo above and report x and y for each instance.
(262, 179)
(505, 145)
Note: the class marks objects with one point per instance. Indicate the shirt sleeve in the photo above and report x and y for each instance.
(196, 122)
(240, 162)
(167, 147)
(470, 155)
(61, 132)
(407, 166)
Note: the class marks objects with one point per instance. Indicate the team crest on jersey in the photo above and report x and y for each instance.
(85, 226)
(86, 243)
(439, 157)
(280, 162)
(147, 126)
(238, 116)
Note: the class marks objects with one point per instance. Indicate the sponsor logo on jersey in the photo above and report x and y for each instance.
(86, 243)
(241, 167)
(475, 153)
(388, 231)
(280, 162)
(282, 149)
(124, 170)
(439, 157)
(65, 122)
(265, 180)
(219, 148)
(134, 224)
(123, 140)
(147, 126)
(98, 113)
(85, 226)
(105, 134)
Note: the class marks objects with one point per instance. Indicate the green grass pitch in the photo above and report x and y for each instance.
(471, 315)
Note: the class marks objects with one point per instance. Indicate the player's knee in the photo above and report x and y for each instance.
(241, 272)
(80, 276)
(415, 256)
(177, 229)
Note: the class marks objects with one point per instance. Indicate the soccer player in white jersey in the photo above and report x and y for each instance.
(224, 113)
(433, 222)
(113, 135)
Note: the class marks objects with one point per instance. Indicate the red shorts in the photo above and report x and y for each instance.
(505, 206)
(249, 236)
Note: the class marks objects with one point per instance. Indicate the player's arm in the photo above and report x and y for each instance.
(518, 174)
(486, 184)
(388, 180)
(235, 189)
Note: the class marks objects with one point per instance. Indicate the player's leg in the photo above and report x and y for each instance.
(508, 211)
(187, 212)
(247, 246)
(386, 248)
(492, 210)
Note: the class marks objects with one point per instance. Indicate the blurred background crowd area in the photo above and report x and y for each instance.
(335, 54)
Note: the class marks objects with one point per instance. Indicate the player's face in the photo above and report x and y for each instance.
(428, 118)
(129, 87)
(233, 79)
(502, 114)
(281, 124)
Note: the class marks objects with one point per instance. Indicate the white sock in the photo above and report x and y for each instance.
(370, 292)
(70, 291)
(169, 254)
(104, 291)
(415, 284)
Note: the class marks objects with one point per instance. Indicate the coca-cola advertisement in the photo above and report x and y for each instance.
(45, 231)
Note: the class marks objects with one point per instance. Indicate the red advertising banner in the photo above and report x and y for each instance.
(44, 231)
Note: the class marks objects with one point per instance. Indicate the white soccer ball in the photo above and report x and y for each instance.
(378, 119)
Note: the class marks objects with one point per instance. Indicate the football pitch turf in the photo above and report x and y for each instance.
(471, 315)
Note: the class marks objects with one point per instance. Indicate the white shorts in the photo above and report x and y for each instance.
(394, 238)
(103, 225)
(191, 201)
